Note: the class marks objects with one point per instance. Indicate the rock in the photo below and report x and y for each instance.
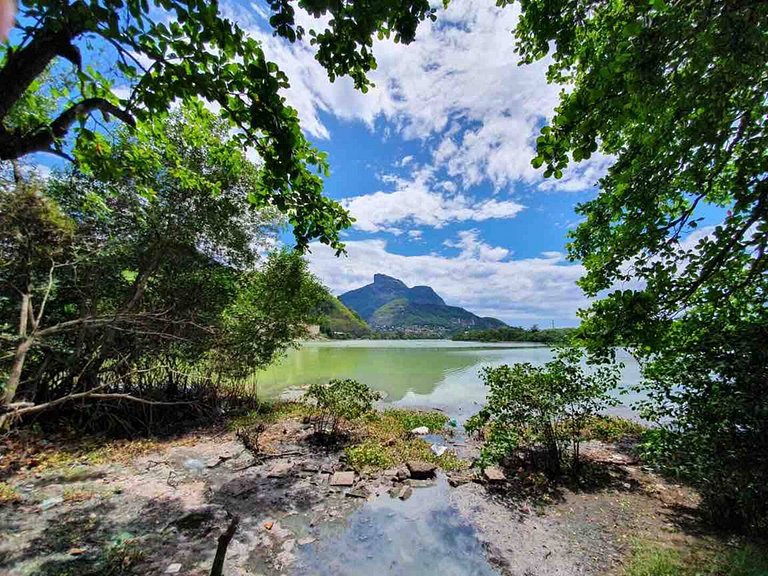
(76, 551)
(405, 493)
(268, 525)
(494, 474)
(421, 470)
(280, 469)
(49, 503)
(174, 568)
(359, 492)
(438, 450)
(394, 492)
(306, 540)
(421, 430)
(458, 478)
(343, 479)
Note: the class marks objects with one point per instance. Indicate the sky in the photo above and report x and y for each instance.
(434, 165)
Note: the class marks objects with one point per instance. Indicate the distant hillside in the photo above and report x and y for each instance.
(338, 321)
(517, 334)
(388, 305)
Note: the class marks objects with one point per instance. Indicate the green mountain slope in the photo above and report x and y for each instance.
(390, 306)
(339, 321)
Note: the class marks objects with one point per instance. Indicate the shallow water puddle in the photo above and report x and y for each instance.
(422, 535)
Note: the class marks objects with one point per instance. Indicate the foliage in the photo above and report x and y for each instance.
(708, 385)
(611, 428)
(157, 277)
(674, 92)
(387, 441)
(517, 334)
(338, 321)
(8, 494)
(151, 47)
(338, 401)
(269, 313)
(543, 409)
(649, 559)
(407, 420)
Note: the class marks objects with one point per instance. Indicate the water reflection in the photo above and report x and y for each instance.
(422, 535)
(419, 373)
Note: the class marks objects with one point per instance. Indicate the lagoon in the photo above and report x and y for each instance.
(439, 374)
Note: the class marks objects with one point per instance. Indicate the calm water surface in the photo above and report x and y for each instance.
(417, 373)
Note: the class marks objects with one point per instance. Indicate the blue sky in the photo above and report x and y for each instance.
(434, 164)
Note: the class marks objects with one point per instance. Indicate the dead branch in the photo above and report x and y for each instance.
(221, 549)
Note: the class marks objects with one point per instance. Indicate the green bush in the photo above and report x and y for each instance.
(542, 409)
(337, 401)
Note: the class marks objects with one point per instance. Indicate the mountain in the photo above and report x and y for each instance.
(388, 305)
(339, 321)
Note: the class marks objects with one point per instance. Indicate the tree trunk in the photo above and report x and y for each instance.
(18, 365)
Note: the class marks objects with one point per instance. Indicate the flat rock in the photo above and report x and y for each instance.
(174, 568)
(458, 478)
(405, 493)
(494, 474)
(359, 492)
(421, 470)
(280, 469)
(343, 479)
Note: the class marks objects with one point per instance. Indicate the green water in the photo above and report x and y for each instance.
(416, 373)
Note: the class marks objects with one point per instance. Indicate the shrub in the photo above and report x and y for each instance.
(339, 400)
(542, 409)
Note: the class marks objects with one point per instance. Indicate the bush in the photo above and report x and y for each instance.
(339, 400)
(542, 409)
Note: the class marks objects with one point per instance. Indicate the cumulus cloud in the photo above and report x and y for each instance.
(471, 247)
(458, 88)
(518, 291)
(414, 201)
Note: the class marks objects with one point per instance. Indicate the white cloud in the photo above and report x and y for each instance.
(518, 291)
(473, 248)
(415, 202)
(415, 234)
(458, 82)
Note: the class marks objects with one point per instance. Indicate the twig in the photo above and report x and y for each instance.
(221, 549)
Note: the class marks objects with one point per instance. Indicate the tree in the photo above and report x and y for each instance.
(124, 271)
(180, 50)
(542, 409)
(675, 93)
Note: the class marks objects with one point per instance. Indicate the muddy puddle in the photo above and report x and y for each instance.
(424, 534)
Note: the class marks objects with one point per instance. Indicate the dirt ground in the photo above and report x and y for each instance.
(161, 511)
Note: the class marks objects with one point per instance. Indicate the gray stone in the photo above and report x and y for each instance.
(280, 469)
(306, 540)
(458, 478)
(421, 430)
(174, 568)
(359, 492)
(494, 474)
(343, 479)
(405, 493)
(421, 470)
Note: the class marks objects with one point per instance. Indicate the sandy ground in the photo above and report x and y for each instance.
(164, 511)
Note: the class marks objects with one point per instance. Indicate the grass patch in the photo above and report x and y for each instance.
(611, 429)
(270, 413)
(650, 559)
(8, 494)
(387, 442)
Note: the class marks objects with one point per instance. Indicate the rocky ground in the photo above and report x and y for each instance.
(161, 511)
